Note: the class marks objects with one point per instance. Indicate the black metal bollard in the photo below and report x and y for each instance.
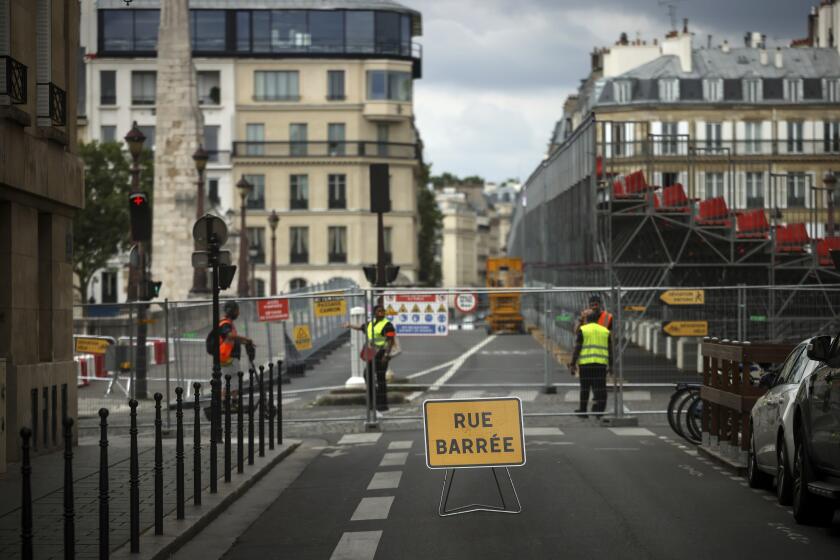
(240, 438)
(227, 427)
(26, 496)
(69, 514)
(104, 510)
(134, 481)
(179, 453)
(271, 407)
(197, 448)
(262, 414)
(158, 467)
(251, 417)
(215, 389)
(279, 402)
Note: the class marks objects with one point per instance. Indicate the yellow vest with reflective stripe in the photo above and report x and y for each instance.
(596, 345)
(374, 333)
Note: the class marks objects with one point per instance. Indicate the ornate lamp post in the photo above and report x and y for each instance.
(253, 253)
(273, 220)
(200, 158)
(135, 139)
(830, 183)
(244, 188)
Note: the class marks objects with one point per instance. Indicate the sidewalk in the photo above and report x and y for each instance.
(47, 492)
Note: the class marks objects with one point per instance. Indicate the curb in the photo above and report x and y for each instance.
(736, 467)
(178, 532)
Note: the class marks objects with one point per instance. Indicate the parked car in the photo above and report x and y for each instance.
(770, 458)
(816, 425)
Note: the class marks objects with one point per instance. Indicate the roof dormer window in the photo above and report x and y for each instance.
(713, 90)
(623, 91)
(793, 90)
(669, 89)
(752, 91)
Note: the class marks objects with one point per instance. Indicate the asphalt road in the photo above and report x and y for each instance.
(586, 492)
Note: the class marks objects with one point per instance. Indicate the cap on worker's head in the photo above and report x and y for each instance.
(595, 298)
(231, 307)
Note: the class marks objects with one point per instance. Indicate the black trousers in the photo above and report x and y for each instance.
(594, 377)
(380, 369)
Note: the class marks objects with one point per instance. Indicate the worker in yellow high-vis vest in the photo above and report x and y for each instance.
(593, 356)
(381, 337)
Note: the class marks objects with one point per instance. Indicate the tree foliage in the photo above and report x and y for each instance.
(101, 229)
(431, 223)
(447, 179)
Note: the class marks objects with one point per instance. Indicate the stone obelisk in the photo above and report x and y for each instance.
(178, 129)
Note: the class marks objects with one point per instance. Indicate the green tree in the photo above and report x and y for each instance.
(431, 223)
(101, 229)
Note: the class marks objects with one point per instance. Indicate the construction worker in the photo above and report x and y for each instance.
(230, 343)
(593, 356)
(604, 318)
(381, 337)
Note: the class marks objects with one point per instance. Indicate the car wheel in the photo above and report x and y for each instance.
(808, 509)
(784, 480)
(755, 477)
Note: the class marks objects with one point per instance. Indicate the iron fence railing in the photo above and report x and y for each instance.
(52, 103)
(14, 80)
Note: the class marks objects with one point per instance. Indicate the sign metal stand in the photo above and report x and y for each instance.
(448, 480)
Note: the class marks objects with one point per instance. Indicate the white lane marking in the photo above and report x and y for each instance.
(525, 396)
(543, 432)
(406, 444)
(413, 395)
(394, 459)
(736, 478)
(373, 508)
(616, 448)
(430, 370)
(459, 361)
(631, 432)
(385, 480)
(348, 439)
(636, 396)
(691, 452)
(291, 400)
(467, 395)
(770, 498)
(359, 545)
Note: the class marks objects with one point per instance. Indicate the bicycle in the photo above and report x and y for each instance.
(685, 412)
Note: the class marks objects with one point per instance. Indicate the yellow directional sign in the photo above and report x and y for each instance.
(638, 308)
(474, 433)
(331, 307)
(302, 338)
(683, 297)
(686, 328)
(85, 345)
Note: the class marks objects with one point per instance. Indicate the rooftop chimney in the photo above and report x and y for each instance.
(780, 60)
(685, 25)
(764, 57)
(725, 46)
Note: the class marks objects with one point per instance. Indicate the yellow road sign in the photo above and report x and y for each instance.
(302, 338)
(686, 328)
(474, 433)
(638, 308)
(330, 307)
(85, 345)
(683, 297)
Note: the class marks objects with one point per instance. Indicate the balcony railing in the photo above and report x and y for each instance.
(326, 149)
(52, 104)
(14, 80)
(682, 146)
(338, 257)
(338, 203)
(299, 203)
(299, 257)
(219, 157)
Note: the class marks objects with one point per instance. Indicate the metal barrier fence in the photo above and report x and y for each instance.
(293, 331)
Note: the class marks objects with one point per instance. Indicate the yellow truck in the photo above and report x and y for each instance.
(505, 307)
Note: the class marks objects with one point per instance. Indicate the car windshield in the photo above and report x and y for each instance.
(804, 368)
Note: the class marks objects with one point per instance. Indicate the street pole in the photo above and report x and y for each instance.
(215, 385)
(135, 140)
(381, 281)
(273, 220)
(244, 188)
(829, 183)
(200, 158)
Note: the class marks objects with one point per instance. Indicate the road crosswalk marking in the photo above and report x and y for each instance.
(385, 480)
(628, 396)
(358, 545)
(467, 395)
(543, 431)
(631, 432)
(525, 396)
(394, 459)
(400, 444)
(349, 439)
(373, 508)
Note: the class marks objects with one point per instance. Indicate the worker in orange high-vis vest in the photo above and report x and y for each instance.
(381, 338)
(230, 343)
(604, 318)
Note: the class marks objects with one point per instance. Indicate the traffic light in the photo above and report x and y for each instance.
(140, 213)
(391, 273)
(150, 290)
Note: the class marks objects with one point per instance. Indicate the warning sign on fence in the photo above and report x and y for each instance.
(686, 328)
(302, 338)
(418, 314)
(273, 309)
(92, 345)
(330, 307)
(683, 297)
(474, 433)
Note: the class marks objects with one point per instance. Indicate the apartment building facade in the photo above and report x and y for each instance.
(41, 188)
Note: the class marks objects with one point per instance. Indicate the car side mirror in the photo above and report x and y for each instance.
(819, 349)
(767, 380)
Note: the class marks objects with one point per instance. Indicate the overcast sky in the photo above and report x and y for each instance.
(496, 72)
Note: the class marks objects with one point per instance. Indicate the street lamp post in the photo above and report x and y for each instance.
(138, 273)
(830, 182)
(200, 158)
(253, 253)
(244, 188)
(273, 220)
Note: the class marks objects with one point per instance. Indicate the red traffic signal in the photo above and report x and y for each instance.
(140, 213)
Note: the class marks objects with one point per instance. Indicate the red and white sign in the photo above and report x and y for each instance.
(466, 303)
(273, 309)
